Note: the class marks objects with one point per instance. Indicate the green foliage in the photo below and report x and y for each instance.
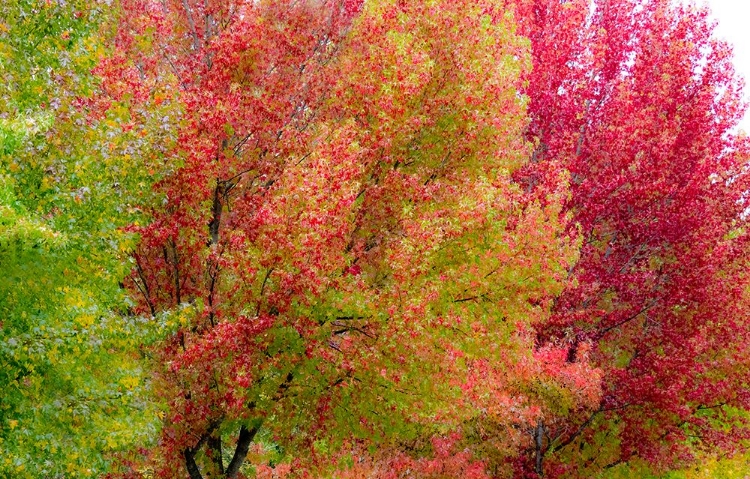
(69, 368)
(41, 44)
(337, 248)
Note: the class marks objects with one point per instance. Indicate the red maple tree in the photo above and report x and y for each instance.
(359, 236)
(640, 103)
(336, 248)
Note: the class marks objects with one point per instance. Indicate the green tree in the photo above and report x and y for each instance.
(68, 368)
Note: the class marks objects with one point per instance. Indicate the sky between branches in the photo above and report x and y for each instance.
(733, 17)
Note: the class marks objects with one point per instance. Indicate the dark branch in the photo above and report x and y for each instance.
(190, 464)
(214, 447)
(539, 446)
(604, 331)
(577, 433)
(240, 453)
(144, 289)
(189, 453)
(216, 209)
(262, 289)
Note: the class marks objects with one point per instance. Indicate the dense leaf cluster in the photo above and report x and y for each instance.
(380, 238)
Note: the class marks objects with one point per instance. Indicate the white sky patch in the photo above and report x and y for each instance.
(734, 26)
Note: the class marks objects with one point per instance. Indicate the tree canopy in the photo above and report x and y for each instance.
(379, 238)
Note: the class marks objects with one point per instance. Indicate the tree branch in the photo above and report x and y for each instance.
(190, 464)
(577, 433)
(538, 446)
(190, 452)
(191, 22)
(214, 446)
(604, 331)
(216, 210)
(144, 290)
(240, 453)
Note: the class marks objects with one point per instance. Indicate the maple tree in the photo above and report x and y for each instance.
(67, 368)
(337, 249)
(639, 102)
(346, 238)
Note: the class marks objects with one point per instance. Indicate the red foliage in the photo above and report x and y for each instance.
(336, 225)
(638, 102)
(447, 462)
(336, 245)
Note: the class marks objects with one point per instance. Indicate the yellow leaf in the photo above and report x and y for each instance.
(130, 381)
(86, 320)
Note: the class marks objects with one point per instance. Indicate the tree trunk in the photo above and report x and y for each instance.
(240, 453)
